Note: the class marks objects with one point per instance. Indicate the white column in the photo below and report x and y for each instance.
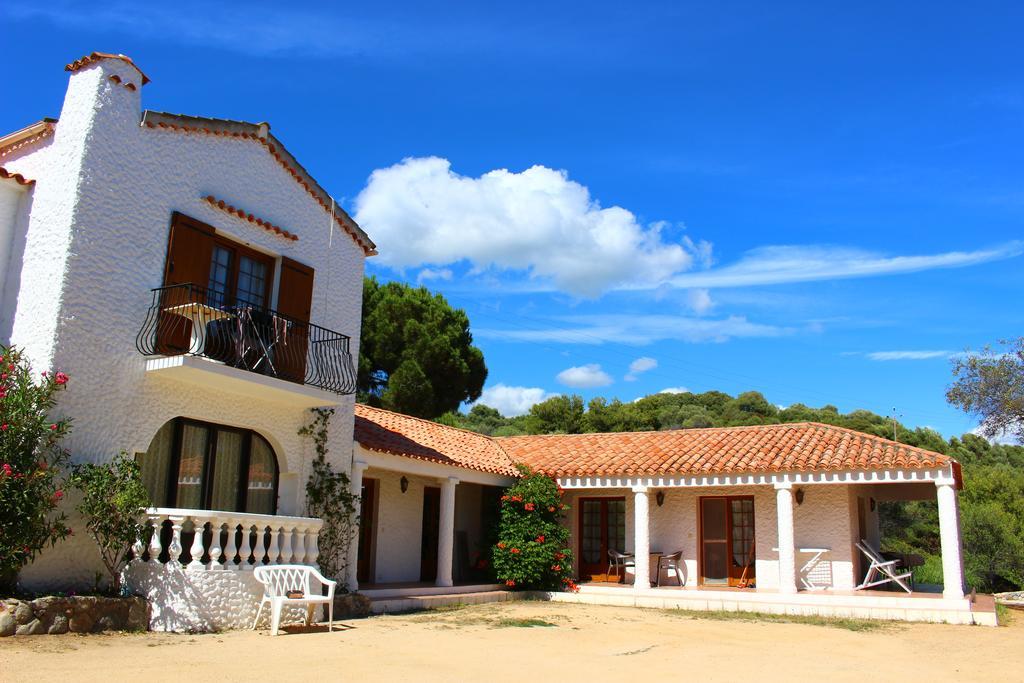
(949, 539)
(356, 488)
(446, 532)
(787, 545)
(641, 539)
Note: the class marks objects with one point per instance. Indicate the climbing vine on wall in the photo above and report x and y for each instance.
(329, 497)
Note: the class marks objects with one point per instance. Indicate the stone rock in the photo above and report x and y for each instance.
(59, 625)
(23, 613)
(80, 622)
(7, 623)
(106, 622)
(351, 606)
(32, 628)
(138, 615)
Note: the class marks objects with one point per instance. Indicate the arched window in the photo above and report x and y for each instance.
(206, 466)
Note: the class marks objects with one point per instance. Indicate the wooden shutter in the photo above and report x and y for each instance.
(295, 301)
(189, 252)
(295, 295)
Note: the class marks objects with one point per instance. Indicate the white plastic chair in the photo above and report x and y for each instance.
(279, 579)
(881, 571)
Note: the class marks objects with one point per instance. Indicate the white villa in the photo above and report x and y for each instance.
(203, 292)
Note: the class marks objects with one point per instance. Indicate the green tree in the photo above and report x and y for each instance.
(114, 500)
(31, 459)
(416, 354)
(990, 386)
(557, 415)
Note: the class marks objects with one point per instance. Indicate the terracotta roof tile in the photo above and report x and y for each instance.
(795, 447)
(16, 177)
(94, 57)
(412, 437)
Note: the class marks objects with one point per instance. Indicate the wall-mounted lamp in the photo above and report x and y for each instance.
(799, 495)
(404, 483)
(872, 504)
(660, 498)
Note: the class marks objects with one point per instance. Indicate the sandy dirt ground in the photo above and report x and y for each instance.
(490, 642)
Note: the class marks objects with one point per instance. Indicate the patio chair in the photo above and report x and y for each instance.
(882, 571)
(671, 563)
(292, 584)
(619, 561)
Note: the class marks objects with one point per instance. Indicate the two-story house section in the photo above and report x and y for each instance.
(203, 292)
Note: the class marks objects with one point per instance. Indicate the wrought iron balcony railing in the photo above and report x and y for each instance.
(190, 320)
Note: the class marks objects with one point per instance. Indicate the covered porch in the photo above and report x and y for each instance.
(429, 504)
(781, 543)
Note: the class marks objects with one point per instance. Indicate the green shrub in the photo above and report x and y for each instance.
(31, 460)
(114, 502)
(532, 551)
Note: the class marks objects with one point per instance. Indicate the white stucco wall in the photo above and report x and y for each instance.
(399, 536)
(96, 241)
(823, 520)
(188, 600)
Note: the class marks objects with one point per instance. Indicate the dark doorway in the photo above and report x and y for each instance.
(431, 527)
(367, 529)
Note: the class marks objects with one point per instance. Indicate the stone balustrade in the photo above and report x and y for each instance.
(213, 539)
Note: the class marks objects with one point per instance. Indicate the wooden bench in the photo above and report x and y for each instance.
(283, 580)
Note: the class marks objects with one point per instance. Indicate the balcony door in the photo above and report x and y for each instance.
(602, 527)
(727, 540)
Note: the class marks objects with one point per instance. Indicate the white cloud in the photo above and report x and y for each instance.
(772, 265)
(674, 390)
(638, 330)
(538, 222)
(512, 401)
(584, 377)
(907, 355)
(639, 366)
(428, 274)
(699, 301)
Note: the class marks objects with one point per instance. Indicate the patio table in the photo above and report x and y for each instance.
(199, 314)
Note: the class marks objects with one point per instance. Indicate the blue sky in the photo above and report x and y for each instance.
(819, 203)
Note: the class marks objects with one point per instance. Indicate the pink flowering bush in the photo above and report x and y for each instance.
(31, 461)
(532, 551)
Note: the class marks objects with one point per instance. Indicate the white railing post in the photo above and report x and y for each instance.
(154, 541)
(299, 549)
(215, 549)
(174, 550)
(312, 548)
(196, 551)
(246, 551)
(286, 545)
(232, 547)
(273, 550)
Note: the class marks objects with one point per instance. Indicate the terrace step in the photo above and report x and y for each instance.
(413, 603)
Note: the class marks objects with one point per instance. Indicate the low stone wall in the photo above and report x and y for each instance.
(78, 614)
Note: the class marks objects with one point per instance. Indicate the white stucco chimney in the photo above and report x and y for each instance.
(99, 123)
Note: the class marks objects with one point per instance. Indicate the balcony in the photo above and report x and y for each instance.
(192, 333)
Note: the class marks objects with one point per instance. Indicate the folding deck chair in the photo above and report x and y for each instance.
(882, 571)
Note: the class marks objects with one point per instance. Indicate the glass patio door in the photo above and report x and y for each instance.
(727, 540)
(602, 527)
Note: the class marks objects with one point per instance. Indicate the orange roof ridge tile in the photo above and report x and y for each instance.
(94, 57)
(16, 177)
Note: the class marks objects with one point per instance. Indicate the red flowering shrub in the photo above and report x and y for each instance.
(31, 460)
(532, 551)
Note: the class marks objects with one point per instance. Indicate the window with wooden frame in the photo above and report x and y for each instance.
(602, 527)
(206, 466)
